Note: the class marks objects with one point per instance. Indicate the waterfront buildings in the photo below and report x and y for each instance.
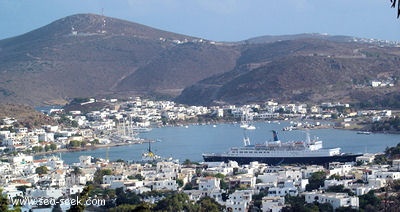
(109, 125)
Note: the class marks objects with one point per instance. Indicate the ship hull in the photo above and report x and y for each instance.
(324, 160)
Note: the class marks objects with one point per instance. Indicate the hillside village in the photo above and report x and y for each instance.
(232, 186)
(214, 180)
(120, 122)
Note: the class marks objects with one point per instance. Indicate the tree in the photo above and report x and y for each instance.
(208, 204)
(37, 148)
(120, 161)
(3, 201)
(98, 175)
(46, 148)
(125, 207)
(175, 202)
(394, 2)
(179, 182)
(325, 207)
(137, 177)
(74, 144)
(340, 189)
(316, 180)
(41, 170)
(188, 162)
(53, 146)
(257, 198)
(369, 200)
(295, 203)
(22, 188)
(188, 186)
(346, 209)
(76, 171)
(83, 196)
(126, 197)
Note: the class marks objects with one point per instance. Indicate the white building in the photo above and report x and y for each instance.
(272, 204)
(21, 159)
(339, 169)
(239, 200)
(209, 183)
(45, 193)
(108, 179)
(366, 158)
(165, 185)
(282, 191)
(337, 200)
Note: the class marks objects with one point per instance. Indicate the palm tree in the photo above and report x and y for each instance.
(76, 171)
(394, 2)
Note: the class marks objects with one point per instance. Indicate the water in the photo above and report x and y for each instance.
(190, 142)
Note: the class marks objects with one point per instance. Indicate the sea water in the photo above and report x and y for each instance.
(190, 142)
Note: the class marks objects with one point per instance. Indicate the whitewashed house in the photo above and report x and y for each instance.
(337, 200)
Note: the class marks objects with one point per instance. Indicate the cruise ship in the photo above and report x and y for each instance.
(276, 152)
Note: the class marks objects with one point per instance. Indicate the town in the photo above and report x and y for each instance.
(150, 183)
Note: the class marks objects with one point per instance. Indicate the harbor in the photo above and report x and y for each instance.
(192, 141)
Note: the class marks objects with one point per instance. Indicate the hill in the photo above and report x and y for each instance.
(305, 70)
(25, 116)
(89, 55)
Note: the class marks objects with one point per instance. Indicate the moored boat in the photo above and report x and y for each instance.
(276, 152)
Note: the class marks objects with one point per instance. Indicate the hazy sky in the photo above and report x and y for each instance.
(219, 20)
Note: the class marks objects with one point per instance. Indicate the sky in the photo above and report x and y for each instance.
(218, 20)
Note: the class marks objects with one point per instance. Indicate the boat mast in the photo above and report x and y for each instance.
(246, 139)
(149, 146)
(308, 139)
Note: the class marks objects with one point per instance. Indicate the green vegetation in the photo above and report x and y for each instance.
(180, 202)
(389, 154)
(257, 198)
(64, 120)
(98, 175)
(74, 144)
(209, 204)
(179, 182)
(4, 202)
(391, 124)
(125, 198)
(37, 149)
(175, 202)
(188, 162)
(340, 189)
(41, 170)
(369, 201)
(83, 196)
(316, 180)
(137, 177)
(297, 204)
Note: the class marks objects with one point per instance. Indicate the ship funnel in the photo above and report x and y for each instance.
(275, 135)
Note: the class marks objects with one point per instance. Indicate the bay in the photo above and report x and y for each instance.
(190, 142)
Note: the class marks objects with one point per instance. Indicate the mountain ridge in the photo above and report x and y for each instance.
(88, 55)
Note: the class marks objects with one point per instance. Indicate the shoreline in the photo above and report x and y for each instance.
(100, 146)
(82, 149)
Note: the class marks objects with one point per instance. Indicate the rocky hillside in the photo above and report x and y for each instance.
(88, 55)
(25, 116)
(304, 71)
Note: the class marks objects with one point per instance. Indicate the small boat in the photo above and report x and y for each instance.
(364, 132)
(141, 129)
(150, 156)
